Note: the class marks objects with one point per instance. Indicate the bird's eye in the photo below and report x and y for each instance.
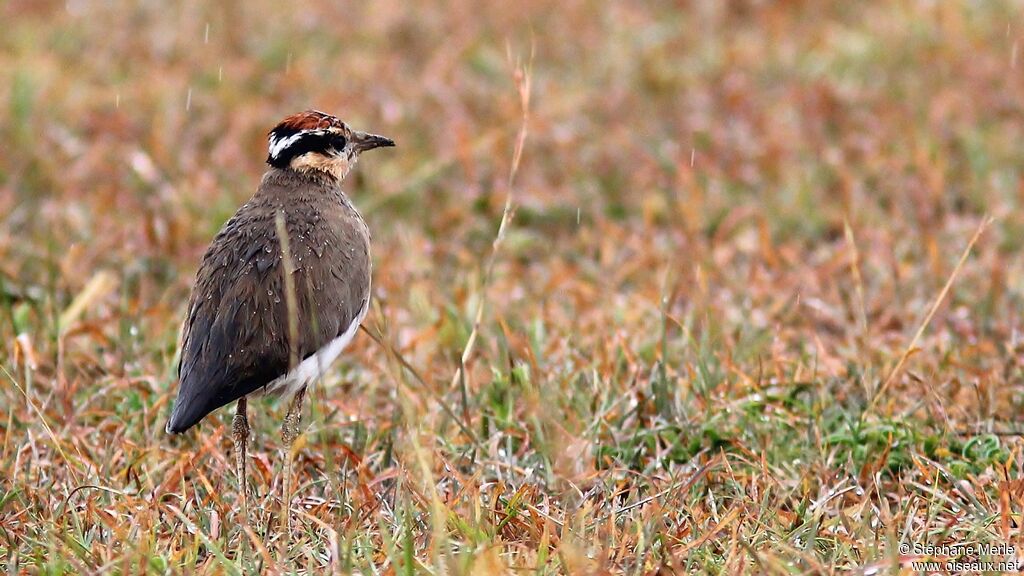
(338, 142)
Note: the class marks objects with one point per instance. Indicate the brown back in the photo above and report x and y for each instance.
(235, 338)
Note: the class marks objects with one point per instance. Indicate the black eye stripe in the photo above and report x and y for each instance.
(296, 143)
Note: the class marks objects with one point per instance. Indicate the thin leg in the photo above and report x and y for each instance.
(289, 432)
(240, 433)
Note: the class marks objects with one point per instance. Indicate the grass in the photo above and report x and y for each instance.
(739, 317)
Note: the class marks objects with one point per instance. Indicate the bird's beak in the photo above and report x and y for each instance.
(363, 141)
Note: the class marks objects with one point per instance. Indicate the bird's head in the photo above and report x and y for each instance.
(315, 141)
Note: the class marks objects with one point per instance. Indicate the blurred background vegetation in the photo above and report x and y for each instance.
(731, 220)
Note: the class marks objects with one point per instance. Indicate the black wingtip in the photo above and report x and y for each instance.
(173, 427)
(182, 419)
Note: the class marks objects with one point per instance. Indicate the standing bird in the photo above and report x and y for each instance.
(271, 311)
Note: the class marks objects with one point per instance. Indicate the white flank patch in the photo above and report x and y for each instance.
(311, 369)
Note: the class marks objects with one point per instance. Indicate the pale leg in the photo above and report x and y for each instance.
(289, 432)
(240, 434)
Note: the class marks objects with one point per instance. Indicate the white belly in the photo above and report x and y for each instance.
(311, 369)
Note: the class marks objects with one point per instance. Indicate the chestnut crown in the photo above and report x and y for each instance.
(314, 140)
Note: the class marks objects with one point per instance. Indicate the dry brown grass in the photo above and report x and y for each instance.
(731, 219)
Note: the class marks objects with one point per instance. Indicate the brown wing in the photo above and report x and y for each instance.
(235, 338)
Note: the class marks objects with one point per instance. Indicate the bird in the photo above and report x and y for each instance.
(281, 290)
